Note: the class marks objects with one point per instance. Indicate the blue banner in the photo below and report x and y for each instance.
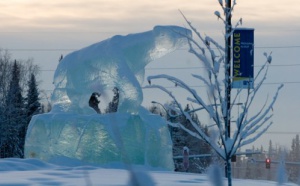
(243, 58)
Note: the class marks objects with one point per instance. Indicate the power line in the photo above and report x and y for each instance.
(270, 83)
(197, 67)
(73, 49)
(47, 70)
(292, 46)
(197, 86)
(111, 32)
(41, 50)
(279, 132)
(64, 32)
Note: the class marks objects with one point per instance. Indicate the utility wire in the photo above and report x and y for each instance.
(73, 49)
(278, 132)
(200, 86)
(271, 83)
(193, 68)
(189, 68)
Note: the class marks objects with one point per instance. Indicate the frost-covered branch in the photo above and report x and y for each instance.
(255, 123)
(250, 97)
(200, 134)
(212, 55)
(257, 119)
(180, 83)
(166, 91)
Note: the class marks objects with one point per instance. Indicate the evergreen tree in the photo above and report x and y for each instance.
(181, 138)
(14, 77)
(33, 106)
(94, 102)
(297, 148)
(157, 110)
(2, 131)
(46, 107)
(270, 151)
(14, 118)
(294, 156)
(195, 145)
(113, 105)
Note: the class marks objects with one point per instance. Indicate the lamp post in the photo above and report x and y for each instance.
(228, 83)
(228, 66)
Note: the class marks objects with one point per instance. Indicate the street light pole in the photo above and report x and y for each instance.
(228, 67)
(228, 84)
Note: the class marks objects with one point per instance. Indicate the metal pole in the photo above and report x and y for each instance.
(228, 67)
(228, 84)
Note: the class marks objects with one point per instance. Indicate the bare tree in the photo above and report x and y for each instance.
(26, 69)
(5, 66)
(248, 126)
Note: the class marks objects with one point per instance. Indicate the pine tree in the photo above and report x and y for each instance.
(157, 110)
(2, 129)
(5, 75)
(113, 105)
(14, 118)
(14, 77)
(181, 138)
(94, 102)
(33, 106)
(46, 107)
(297, 159)
(297, 148)
(294, 156)
(270, 151)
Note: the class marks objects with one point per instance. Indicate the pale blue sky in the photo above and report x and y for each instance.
(44, 30)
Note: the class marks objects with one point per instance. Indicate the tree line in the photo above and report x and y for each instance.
(180, 139)
(254, 167)
(112, 106)
(19, 101)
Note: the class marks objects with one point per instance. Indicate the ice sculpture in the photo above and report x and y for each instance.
(103, 139)
(132, 135)
(116, 62)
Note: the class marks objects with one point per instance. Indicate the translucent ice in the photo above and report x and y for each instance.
(102, 139)
(116, 62)
(132, 135)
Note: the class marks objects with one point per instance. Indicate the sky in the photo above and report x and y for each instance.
(27, 172)
(44, 30)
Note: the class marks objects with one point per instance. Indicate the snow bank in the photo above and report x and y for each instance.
(35, 172)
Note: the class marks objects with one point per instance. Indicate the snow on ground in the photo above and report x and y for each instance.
(27, 172)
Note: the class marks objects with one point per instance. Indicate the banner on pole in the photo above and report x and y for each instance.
(243, 58)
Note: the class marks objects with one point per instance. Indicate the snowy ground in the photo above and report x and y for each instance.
(19, 172)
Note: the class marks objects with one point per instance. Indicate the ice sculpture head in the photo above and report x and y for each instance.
(167, 39)
(119, 62)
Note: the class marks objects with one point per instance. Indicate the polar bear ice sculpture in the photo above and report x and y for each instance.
(132, 135)
(116, 62)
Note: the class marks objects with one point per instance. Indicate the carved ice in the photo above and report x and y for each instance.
(116, 62)
(132, 135)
